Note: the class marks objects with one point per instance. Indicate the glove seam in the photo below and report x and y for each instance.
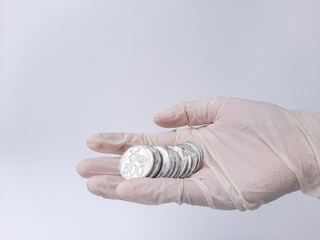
(205, 191)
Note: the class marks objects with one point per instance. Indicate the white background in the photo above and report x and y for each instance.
(73, 68)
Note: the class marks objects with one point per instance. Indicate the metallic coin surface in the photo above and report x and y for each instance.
(199, 152)
(194, 157)
(137, 161)
(172, 161)
(166, 162)
(157, 162)
(177, 164)
(189, 163)
(184, 160)
(177, 161)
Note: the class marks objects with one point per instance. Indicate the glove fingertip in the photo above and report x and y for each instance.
(161, 119)
(93, 142)
(170, 118)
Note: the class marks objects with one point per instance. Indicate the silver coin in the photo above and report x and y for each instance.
(193, 157)
(199, 152)
(157, 162)
(167, 162)
(188, 155)
(184, 160)
(173, 161)
(177, 167)
(137, 161)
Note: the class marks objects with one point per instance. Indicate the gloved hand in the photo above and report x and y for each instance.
(254, 153)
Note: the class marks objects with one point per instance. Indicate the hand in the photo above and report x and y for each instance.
(254, 153)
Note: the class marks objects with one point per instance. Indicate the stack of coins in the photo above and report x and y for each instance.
(177, 161)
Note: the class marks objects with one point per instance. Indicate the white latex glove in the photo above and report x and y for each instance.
(254, 153)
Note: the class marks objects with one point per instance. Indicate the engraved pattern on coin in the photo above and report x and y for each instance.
(136, 162)
(192, 154)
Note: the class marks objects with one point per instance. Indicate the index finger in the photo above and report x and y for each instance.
(117, 143)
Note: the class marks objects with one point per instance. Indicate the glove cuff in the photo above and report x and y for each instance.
(309, 124)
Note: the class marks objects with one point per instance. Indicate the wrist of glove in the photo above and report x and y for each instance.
(306, 156)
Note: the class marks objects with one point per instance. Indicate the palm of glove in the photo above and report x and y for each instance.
(248, 148)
